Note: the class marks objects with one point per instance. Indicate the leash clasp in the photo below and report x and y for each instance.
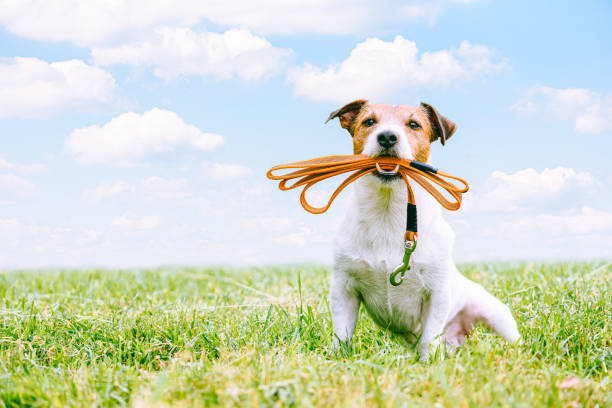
(401, 269)
(387, 172)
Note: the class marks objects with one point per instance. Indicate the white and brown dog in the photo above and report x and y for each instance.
(435, 304)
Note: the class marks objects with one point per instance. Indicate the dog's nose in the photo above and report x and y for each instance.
(387, 139)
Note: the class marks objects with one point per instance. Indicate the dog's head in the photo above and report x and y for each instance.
(399, 131)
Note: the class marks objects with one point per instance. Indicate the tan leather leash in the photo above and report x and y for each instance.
(310, 172)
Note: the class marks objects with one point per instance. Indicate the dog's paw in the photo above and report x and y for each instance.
(340, 347)
(336, 346)
(424, 352)
(436, 350)
(424, 356)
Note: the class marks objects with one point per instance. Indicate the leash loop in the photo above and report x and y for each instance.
(308, 173)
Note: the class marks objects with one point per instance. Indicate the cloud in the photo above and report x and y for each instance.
(13, 231)
(378, 69)
(572, 224)
(225, 171)
(159, 188)
(97, 22)
(301, 237)
(256, 225)
(131, 222)
(282, 230)
(106, 189)
(150, 189)
(180, 51)
(132, 136)
(12, 226)
(22, 168)
(532, 214)
(510, 192)
(358, 17)
(259, 190)
(30, 87)
(91, 22)
(570, 233)
(590, 111)
(13, 185)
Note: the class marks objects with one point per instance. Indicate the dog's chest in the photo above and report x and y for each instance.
(398, 308)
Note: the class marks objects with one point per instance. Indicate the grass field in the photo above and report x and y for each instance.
(247, 337)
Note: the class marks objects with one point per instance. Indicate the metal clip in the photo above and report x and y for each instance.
(401, 269)
(387, 172)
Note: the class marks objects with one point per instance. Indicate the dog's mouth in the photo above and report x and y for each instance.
(387, 175)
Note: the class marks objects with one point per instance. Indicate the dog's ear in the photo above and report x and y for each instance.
(348, 113)
(441, 127)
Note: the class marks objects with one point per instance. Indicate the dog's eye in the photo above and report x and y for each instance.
(368, 122)
(413, 125)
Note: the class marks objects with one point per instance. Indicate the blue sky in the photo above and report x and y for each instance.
(138, 133)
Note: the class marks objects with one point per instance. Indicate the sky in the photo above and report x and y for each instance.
(137, 133)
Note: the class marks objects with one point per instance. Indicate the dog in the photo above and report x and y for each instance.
(435, 307)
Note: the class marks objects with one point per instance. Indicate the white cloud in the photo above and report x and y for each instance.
(30, 87)
(509, 192)
(256, 225)
(90, 22)
(96, 22)
(378, 69)
(180, 51)
(12, 226)
(303, 235)
(298, 238)
(131, 222)
(88, 237)
(530, 214)
(571, 225)
(225, 171)
(590, 111)
(22, 168)
(585, 233)
(13, 185)
(282, 231)
(131, 136)
(29, 240)
(259, 190)
(106, 189)
(324, 16)
(150, 189)
(158, 188)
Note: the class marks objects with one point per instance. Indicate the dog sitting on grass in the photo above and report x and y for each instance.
(435, 305)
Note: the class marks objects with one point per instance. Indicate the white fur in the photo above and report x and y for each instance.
(434, 302)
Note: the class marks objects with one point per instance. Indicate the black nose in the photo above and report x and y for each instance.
(387, 139)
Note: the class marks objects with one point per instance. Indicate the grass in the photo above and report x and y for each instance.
(251, 337)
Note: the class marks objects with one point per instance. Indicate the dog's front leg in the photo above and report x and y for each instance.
(435, 321)
(344, 303)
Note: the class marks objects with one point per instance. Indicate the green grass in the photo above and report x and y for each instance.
(248, 337)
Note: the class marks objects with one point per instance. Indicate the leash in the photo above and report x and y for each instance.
(308, 173)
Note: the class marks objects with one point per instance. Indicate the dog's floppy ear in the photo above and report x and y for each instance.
(348, 113)
(441, 127)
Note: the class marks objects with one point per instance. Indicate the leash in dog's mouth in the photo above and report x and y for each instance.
(387, 176)
(308, 173)
(387, 172)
